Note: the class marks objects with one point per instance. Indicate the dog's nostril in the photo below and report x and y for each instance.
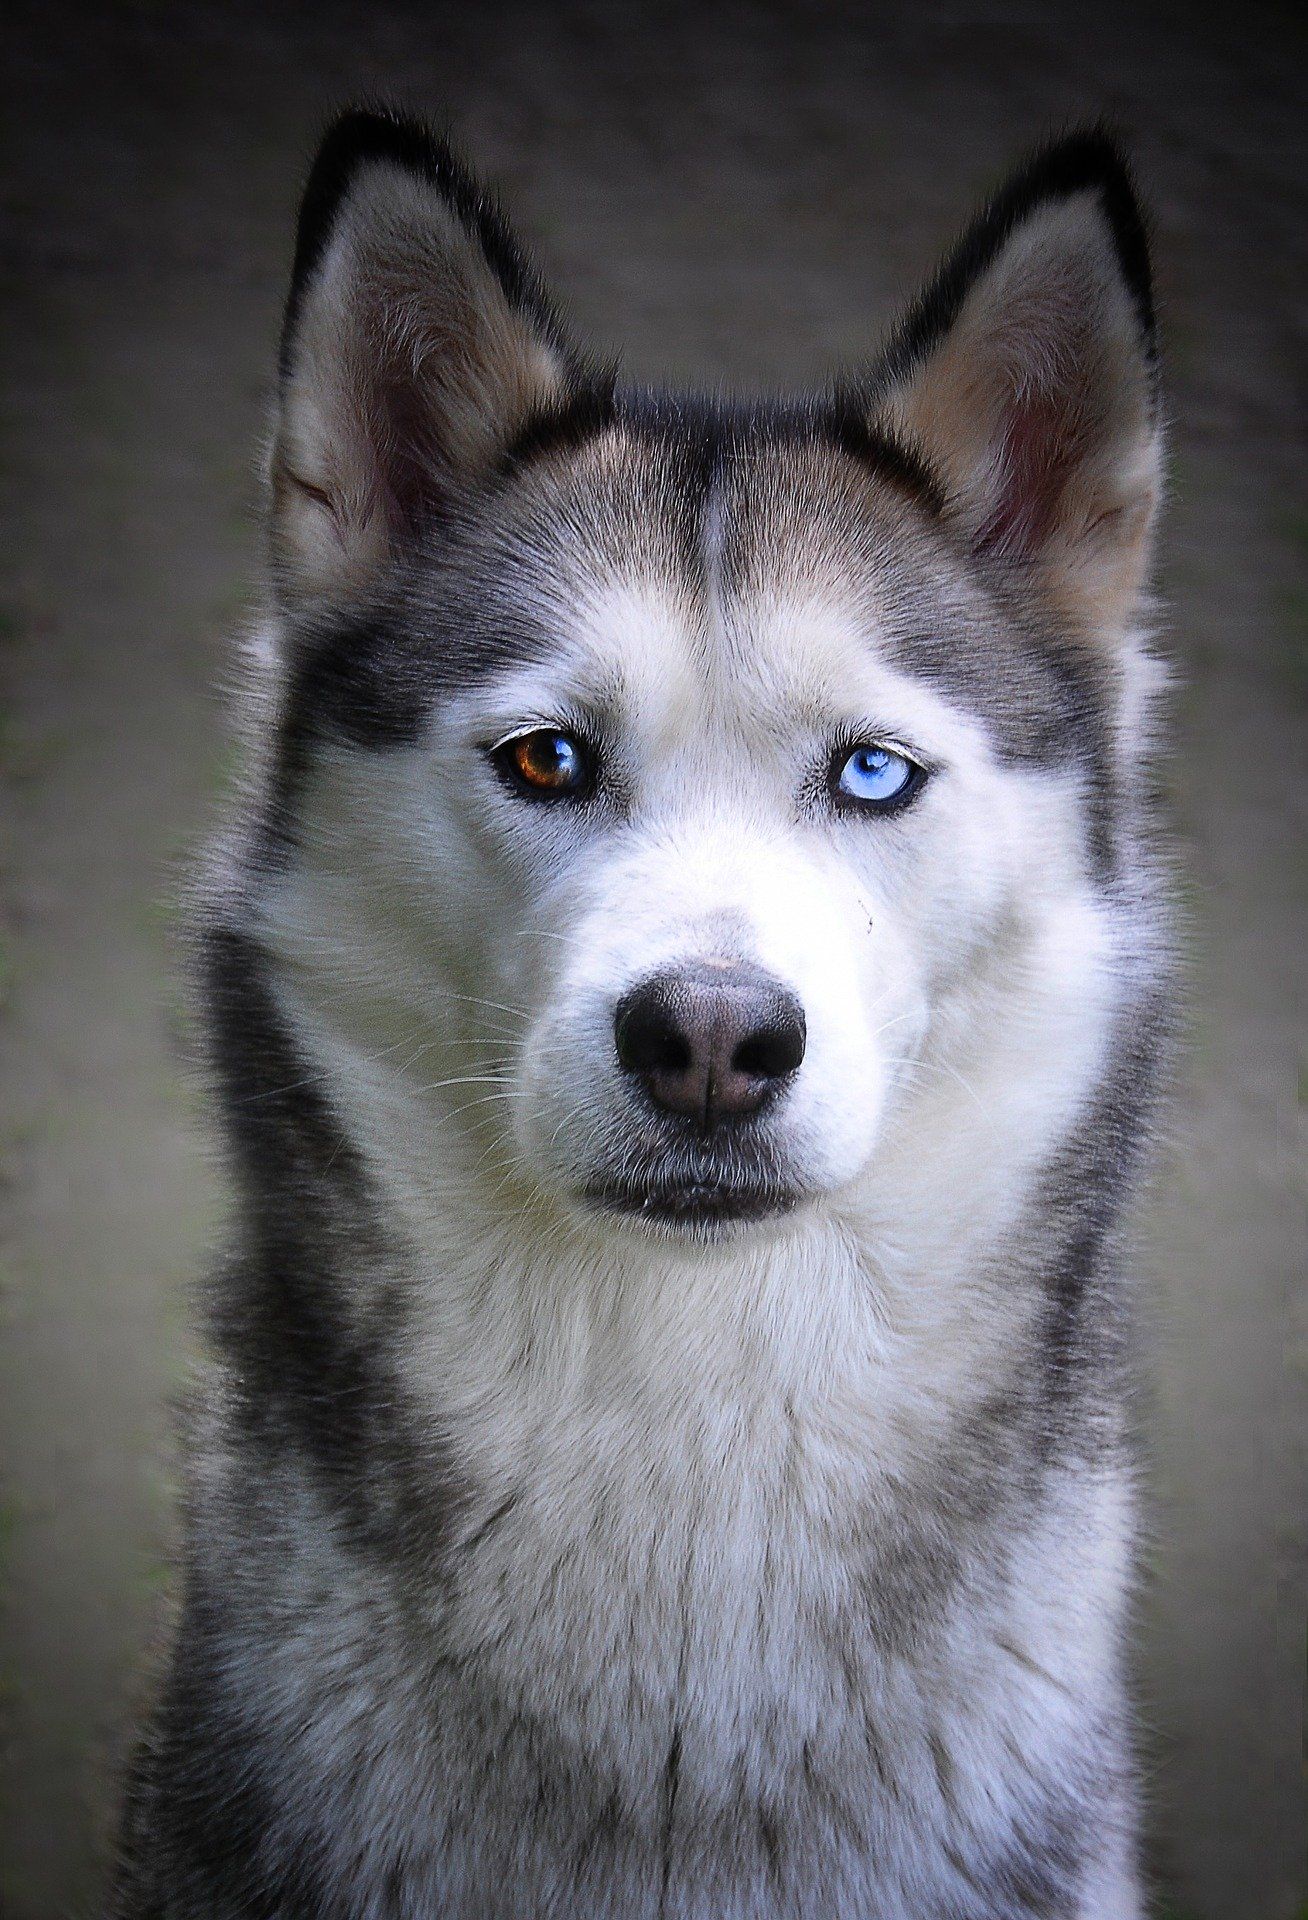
(675, 1053)
(773, 1051)
(648, 1038)
(710, 1043)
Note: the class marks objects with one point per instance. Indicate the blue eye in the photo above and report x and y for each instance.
(546, 764)
(876, 777)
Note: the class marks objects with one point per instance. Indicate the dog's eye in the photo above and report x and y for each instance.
(876, 777)
(546, 764)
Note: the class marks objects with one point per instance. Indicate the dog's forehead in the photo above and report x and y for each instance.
(738, 562)
(778, 565)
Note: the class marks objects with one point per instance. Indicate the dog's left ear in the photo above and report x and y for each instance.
(1026, 377)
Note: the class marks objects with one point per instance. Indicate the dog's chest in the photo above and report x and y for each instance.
(696, 1674)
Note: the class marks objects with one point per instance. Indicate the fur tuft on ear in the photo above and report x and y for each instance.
(418, 346)
(1026, 376)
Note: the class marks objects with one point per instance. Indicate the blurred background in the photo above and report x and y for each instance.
(736, 193)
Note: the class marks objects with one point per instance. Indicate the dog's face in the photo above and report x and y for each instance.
(693, 784)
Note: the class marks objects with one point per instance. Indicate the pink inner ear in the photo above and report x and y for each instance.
(1038, 451)
(409, 458)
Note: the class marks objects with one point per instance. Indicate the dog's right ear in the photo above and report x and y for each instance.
(417, 346)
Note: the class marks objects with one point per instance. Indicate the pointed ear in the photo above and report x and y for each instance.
(1026, 377)
(417, 346)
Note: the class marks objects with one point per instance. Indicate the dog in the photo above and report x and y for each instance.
(685, 985)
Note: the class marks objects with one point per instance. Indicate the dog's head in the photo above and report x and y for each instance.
(665, 791)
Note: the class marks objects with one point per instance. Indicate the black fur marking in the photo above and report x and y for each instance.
(944, 1770)
(1089, 161)
(363, 137)
(1085, 1329)
(371, 678)
(707, 429)
(282, 1129)
(1039, 1876)
(562, 429)
(769, 1833)
(1044, 699)
(210, 1805)
(311, 1380)
(353, 680)
(489, 1524)
(671, 1784)
(849, 426)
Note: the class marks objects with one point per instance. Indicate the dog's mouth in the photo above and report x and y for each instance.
(691, 1205)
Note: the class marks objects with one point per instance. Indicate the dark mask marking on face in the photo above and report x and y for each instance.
(450, 612)
(1044, 702)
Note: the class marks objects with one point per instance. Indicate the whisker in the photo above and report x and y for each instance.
(465, 1080)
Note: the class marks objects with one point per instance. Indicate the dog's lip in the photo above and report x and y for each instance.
(690, 1202)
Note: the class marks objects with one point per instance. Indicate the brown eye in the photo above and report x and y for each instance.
(546, 764)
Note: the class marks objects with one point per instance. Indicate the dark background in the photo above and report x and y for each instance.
(736, 193)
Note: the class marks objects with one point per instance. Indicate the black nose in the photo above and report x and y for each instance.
(710, 1042)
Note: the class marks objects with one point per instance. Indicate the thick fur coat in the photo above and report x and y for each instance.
(615, 1492)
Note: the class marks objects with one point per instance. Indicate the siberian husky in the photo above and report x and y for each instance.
(685, 991)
